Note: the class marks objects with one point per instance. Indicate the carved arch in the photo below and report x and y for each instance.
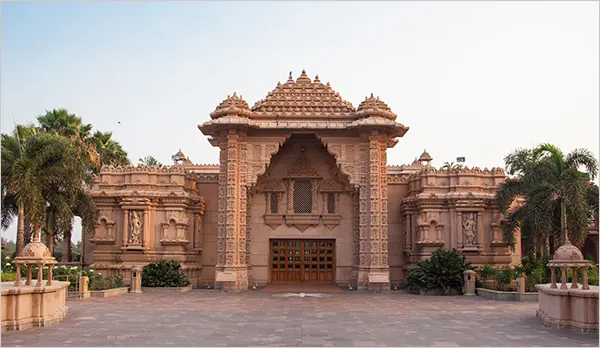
(261, 151)
(345, 154)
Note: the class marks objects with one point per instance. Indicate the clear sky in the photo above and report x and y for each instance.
(470, 79)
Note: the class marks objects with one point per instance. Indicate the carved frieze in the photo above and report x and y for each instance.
(302, 169)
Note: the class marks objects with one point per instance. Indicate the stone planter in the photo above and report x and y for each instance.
(109, 292)
(439, 292)
(507, 295)
(167, 290)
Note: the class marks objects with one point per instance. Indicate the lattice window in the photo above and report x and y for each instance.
(274, 202)
(303, 196)
(330, 203)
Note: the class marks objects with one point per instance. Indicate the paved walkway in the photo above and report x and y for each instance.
(257, 318)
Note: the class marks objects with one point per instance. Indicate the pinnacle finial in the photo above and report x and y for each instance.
(303, 72)
(316, 78)
(234, 95)
(290, 77)
(372, 95)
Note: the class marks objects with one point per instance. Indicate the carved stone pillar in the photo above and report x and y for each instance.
(125, 227)
(231, 238)
(146, 230)
(459, 230)
(364, 220)
(355, 237)
(407, 231)
(481, 240)
(373, 213)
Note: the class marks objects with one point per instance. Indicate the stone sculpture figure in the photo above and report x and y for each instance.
(469, 229)
(136, 228)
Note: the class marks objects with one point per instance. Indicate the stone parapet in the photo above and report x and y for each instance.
(30, 306)
(575, 308)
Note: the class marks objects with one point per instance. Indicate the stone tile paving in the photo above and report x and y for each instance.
(256, 318)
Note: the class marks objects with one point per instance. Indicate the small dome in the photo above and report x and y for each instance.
(34, 253)
(374, 107)
(303, 78)
(425, 156)
(568, 252)
(233, 105)
(36, 250)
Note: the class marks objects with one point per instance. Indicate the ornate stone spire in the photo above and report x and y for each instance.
(374, 107)
(232, 106)
(303, 78)
(303, 99)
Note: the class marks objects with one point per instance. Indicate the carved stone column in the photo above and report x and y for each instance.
(373, 213)
(355, 237)
(231, 238)
(364, 219)
(146, 230)
(459, 230)
(125, 227)
(481, 240)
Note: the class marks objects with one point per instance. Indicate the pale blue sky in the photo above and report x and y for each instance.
(472, 79)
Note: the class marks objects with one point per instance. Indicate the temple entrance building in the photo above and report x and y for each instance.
(302, 193)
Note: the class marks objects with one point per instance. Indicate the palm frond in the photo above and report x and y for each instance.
(583, 158)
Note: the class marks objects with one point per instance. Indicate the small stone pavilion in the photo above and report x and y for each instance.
(302, 193)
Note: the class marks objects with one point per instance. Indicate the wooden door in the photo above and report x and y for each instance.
(302, 260)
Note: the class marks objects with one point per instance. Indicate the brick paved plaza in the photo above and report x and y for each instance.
(258, 318)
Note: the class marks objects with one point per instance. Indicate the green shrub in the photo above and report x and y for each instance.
(504, 277)
(486, 272)
(593, 275)
(105, 283)
(9, 276)
(443, 271)
(164, 273)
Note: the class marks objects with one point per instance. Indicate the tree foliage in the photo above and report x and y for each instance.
(554, 192)
(54, 162)
(149, 161)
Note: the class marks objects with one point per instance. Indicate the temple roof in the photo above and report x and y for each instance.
(303, 99)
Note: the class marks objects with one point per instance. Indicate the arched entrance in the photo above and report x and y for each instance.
(302, 217)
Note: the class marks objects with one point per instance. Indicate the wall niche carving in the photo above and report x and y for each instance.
(174, 228)
(105, 231)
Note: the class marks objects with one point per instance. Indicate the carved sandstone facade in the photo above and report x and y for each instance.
(302, 192)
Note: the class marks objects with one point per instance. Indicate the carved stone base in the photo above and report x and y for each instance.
(362, 281)
(241, 282)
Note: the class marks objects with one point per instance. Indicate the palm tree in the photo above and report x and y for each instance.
(149, 161)
(452, 165)
(109, 151)
(554, 191)
(27, 166)
(64, 202)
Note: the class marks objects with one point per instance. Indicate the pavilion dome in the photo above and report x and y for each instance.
(425, 156)
(372, 106)
(568, 252)
(232, 106)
